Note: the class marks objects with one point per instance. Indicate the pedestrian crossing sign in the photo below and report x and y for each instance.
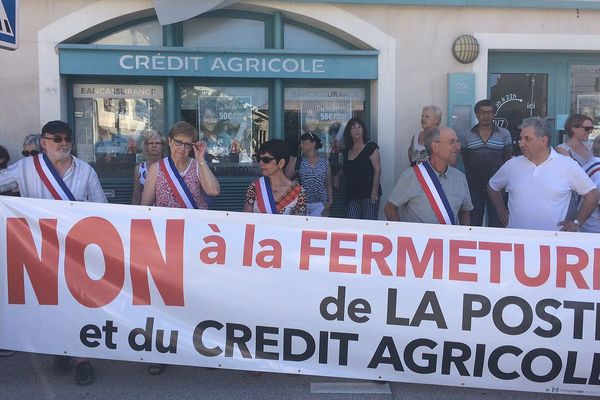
(8, 24)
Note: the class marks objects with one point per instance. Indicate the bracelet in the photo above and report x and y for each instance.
(202, 163)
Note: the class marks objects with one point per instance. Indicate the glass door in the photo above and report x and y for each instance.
(521, 87)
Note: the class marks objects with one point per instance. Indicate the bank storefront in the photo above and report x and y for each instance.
(240, 78)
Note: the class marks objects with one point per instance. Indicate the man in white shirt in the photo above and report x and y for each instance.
(539, 185)
(56, 174)
(78, 176)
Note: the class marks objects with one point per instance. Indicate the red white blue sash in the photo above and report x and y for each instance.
(432, 187)
(176, 183)
(51, 178)
(592, 169)
(264, 196)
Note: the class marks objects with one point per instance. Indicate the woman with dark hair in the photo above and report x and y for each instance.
(362, 171)
(274, 193)
(578, 128)
(314, 174)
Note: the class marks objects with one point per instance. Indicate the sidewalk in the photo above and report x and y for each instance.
(30, 376)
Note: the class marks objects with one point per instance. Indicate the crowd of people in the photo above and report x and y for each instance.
(543, 188)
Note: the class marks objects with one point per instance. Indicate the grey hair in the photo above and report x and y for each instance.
(430, 137)
(149, 135)
(539, 125)
(437, 112)
(596, 146)
(34, 139)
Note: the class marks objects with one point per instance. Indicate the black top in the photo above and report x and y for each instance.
(359, 173)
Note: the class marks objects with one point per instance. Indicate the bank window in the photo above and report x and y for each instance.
(110, 122)
(585, 93)
(323, 112)
(298, 38)
(234, 121)
(224, 32)
(144, 34)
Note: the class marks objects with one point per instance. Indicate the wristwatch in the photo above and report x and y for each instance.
(577, 222)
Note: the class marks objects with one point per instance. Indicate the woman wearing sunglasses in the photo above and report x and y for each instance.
(314, 173)
(274, 193)
(178, 180)
(31, 145)
(578, 128)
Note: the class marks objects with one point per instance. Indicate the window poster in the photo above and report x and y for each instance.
(110, 121)
(225, 123)
(323, 112)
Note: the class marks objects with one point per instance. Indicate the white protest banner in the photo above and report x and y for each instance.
(478, 307)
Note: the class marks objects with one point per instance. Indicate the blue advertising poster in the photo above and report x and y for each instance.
(8, 24)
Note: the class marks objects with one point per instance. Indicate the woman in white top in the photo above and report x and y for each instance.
(578, 128)
(152, 149)
(431, 117)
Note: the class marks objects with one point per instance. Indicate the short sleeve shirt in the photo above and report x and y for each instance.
(539, 195)
(408, 195)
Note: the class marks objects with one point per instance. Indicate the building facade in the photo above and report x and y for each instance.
(250, 71)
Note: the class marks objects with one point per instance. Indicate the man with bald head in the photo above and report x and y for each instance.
(433, 192)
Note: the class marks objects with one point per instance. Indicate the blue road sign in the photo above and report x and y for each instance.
(8, 24)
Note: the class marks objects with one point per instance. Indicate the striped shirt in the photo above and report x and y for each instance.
(483, 159)
(80, 178)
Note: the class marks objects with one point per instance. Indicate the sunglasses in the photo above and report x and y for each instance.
(59, 139)
(265, 159)
(180, 143)
(27, 153)
(587, 128)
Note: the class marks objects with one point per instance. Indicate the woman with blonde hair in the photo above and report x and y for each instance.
(431, 117)
(153, 148)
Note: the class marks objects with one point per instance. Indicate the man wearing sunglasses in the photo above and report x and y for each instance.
(28, 174)
(57, 175)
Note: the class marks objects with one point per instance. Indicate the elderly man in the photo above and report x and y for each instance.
(56, 174)
(592, 169)
(539, 185)
(432, 192)
(484, 149)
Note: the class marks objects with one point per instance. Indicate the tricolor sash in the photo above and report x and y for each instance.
(176, 183)
(264, 196)
(592, 169)
(51, 178)
(432, 187)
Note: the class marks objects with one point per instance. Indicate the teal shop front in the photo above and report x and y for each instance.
(548, 85)
(249, 76)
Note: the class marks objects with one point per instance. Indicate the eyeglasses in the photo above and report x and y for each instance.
(265, 159)
(451, 142)
(587, 128)
(179, 143)
(27, 153)
(485, 112)
(58, 139)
